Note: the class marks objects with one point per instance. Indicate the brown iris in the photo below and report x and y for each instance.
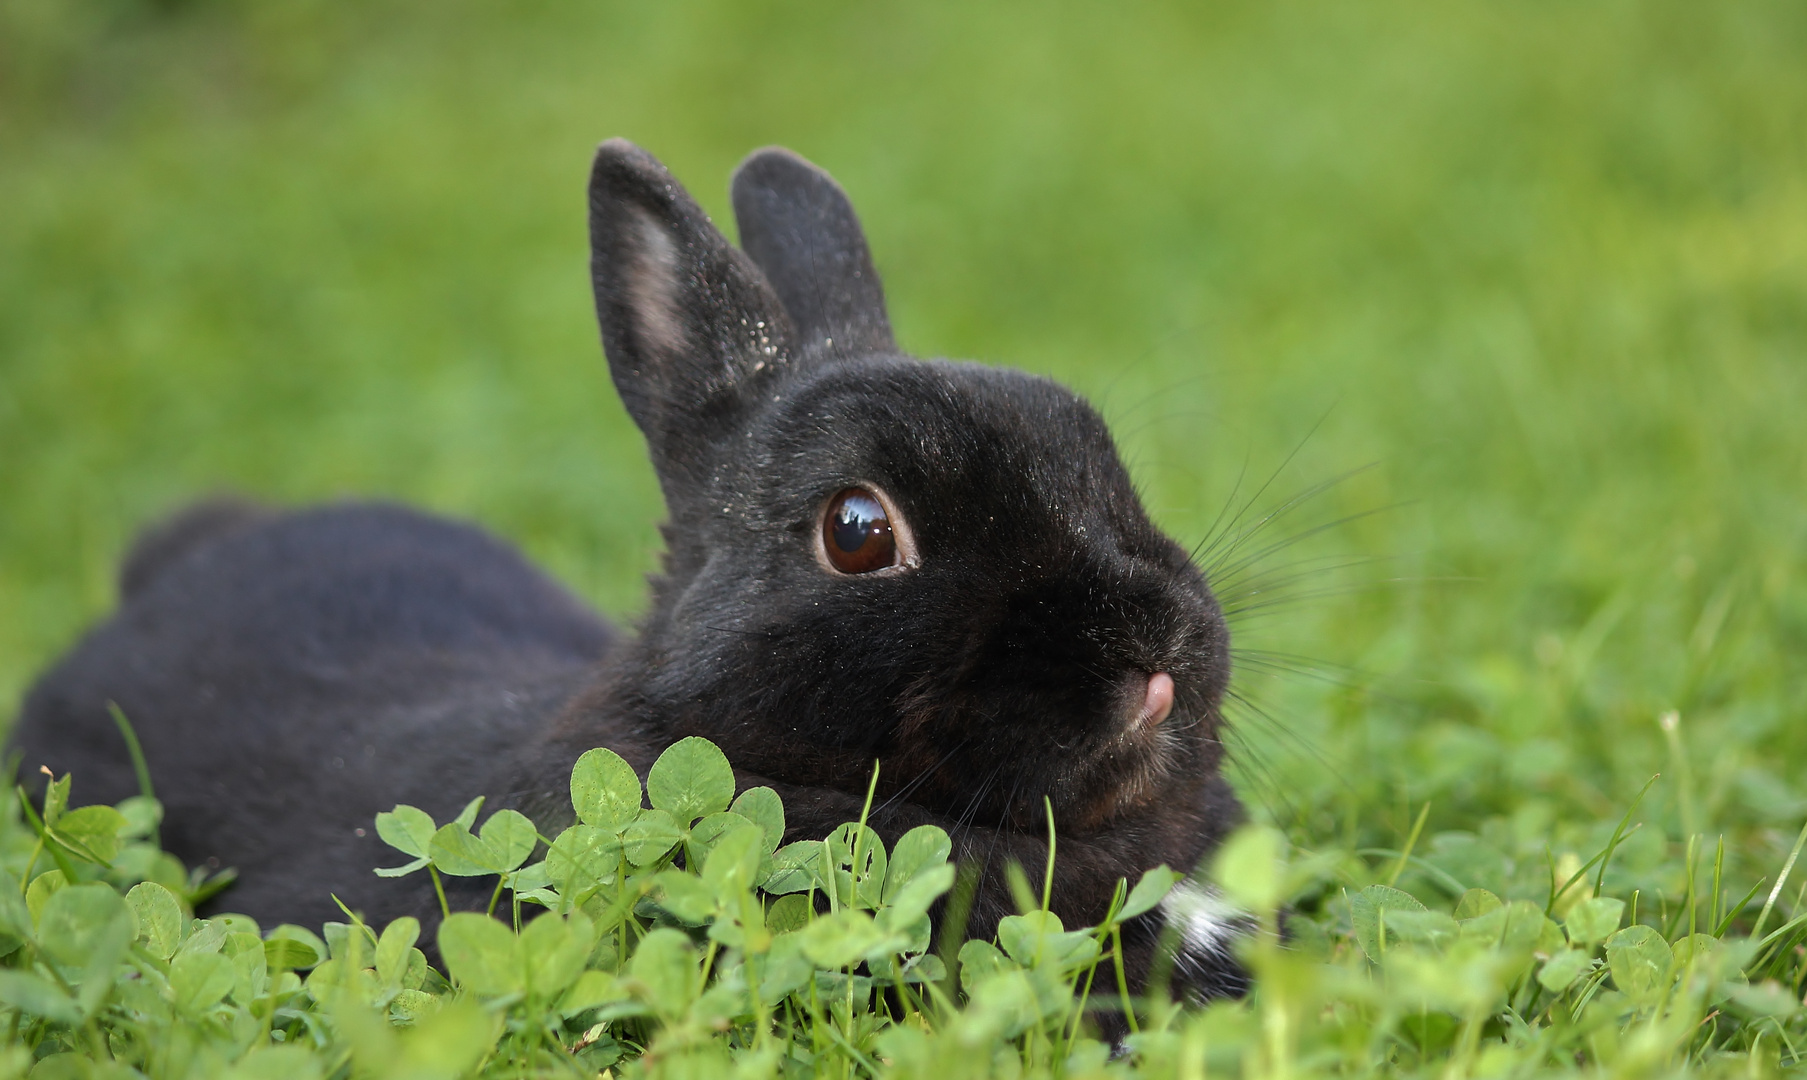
(856, 533)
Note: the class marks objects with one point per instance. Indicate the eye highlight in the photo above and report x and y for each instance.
(856, 533)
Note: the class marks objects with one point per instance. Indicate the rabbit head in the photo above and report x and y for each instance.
(941, 565)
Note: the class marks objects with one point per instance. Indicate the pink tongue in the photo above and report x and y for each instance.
(1158, 701)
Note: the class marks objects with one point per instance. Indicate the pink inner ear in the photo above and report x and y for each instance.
(1157, 700)
(653, 287)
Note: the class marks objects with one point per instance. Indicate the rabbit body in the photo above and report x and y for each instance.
(292, 674)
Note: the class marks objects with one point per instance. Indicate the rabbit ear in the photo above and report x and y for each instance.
(687, 320)
(800, 228)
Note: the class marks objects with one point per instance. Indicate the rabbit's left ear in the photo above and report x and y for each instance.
(687, 319)
(800, 228)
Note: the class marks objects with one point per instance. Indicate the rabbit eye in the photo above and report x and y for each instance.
(856, 533)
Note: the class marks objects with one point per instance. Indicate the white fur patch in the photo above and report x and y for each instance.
(1207, 922)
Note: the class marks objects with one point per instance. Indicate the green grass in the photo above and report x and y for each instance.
(817, 958)
(1540, 268)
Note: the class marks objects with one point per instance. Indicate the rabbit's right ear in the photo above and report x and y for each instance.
(688, 321)
(800, 228)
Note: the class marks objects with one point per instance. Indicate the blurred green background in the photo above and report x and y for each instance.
(1540, 268)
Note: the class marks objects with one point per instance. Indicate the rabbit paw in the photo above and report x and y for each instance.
(1205, 964)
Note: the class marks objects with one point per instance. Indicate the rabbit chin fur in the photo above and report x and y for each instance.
(290, 674)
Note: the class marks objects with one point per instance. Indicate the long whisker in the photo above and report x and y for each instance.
(1260, 769)
(1243, 613)
(1280, 577)
(1241, 474)
(1275, 514)
(1120, 416)
(1283, 664)
(1275, 475)
(905, 791)
(1009, 802)
(1284, 731)
(964, 823)
(1229, 570)
(1159, 342)
(1226, 572)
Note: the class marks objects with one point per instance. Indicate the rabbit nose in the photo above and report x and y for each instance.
(1157, 700)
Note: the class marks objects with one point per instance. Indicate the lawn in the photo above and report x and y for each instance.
(1492, 318)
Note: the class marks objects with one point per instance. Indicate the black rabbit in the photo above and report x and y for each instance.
(940, 565)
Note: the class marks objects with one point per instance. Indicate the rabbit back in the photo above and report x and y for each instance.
(294, 674)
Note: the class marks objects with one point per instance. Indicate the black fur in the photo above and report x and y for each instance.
(801, 230)
(292, 674)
